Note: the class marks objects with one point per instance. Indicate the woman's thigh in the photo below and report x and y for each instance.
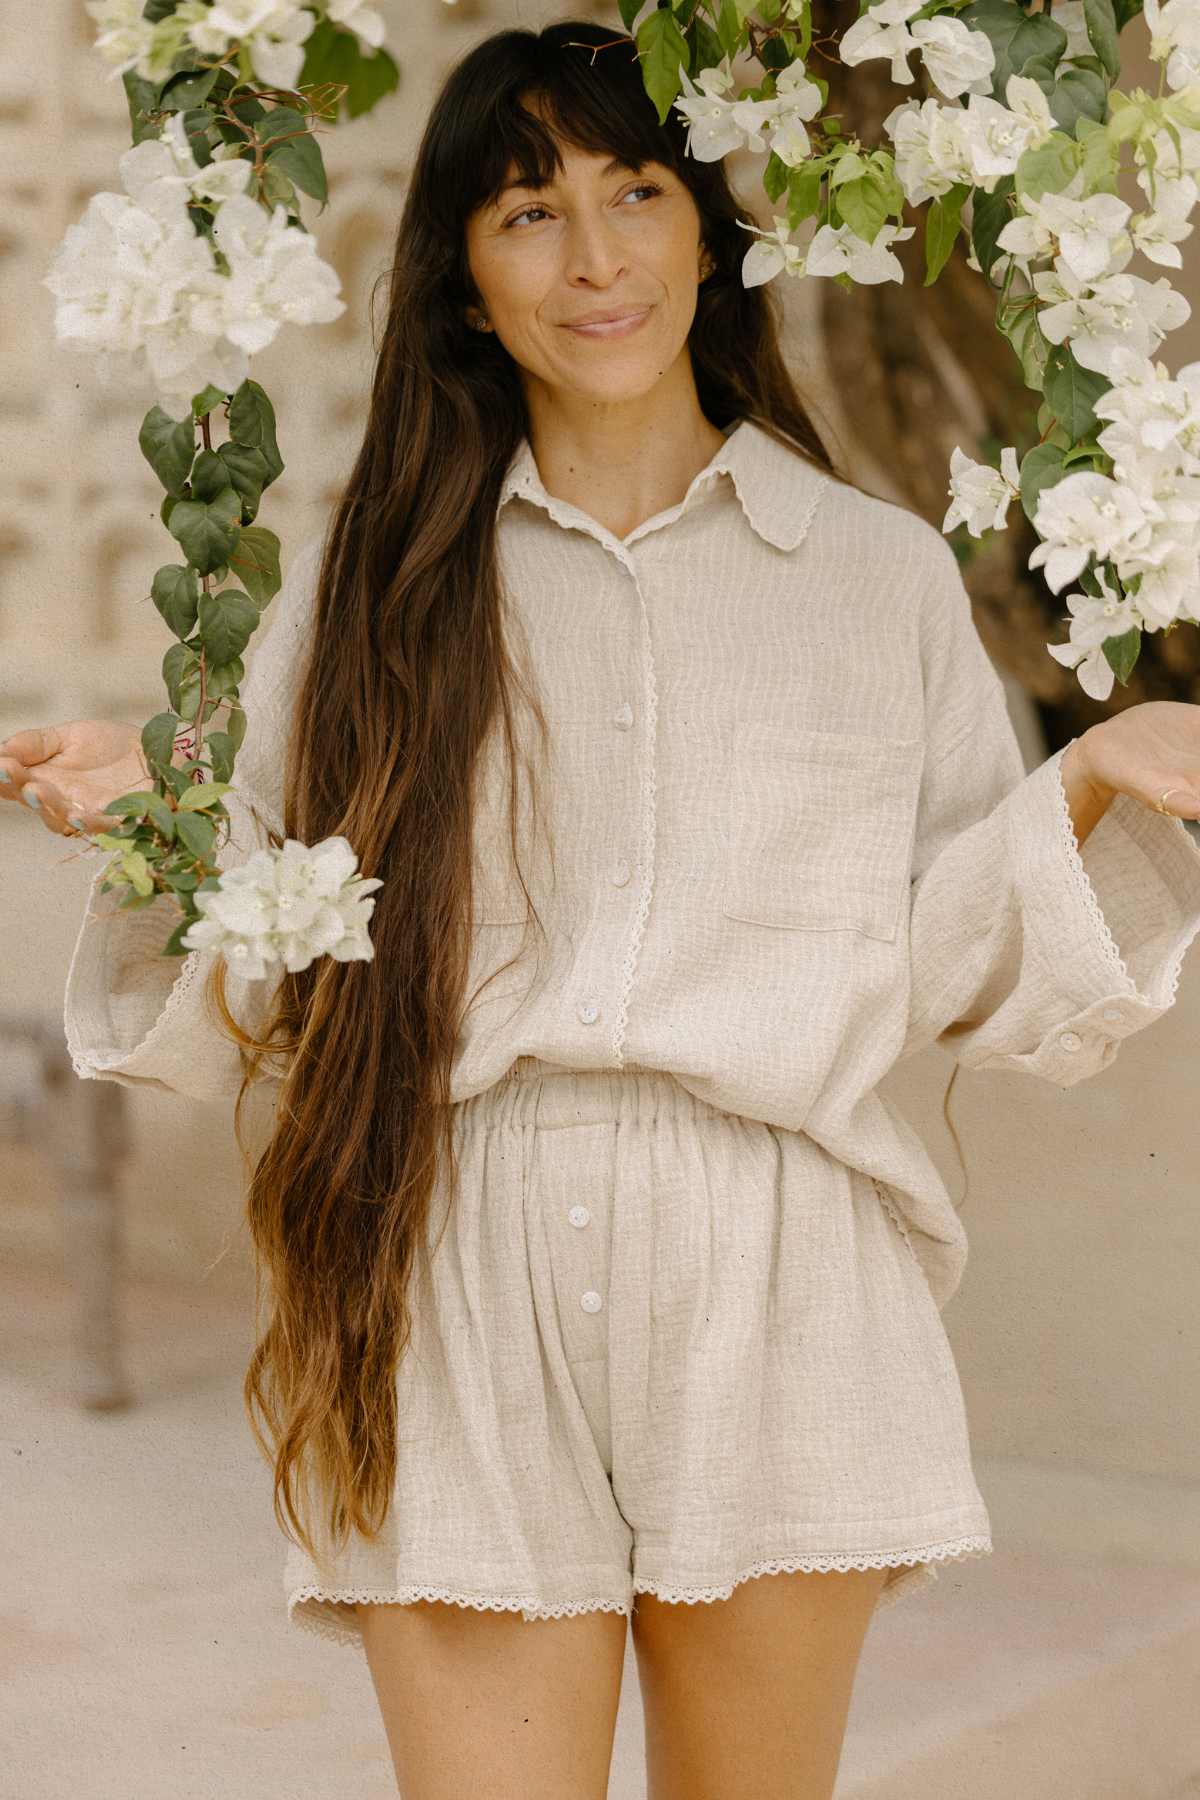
(491, 1703)
(747, 1698)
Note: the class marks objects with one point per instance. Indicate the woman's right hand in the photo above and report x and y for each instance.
(67, 774)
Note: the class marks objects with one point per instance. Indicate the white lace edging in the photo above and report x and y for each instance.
(897, 1218)
(649, 800)
(346, 1631)
(1081, 880)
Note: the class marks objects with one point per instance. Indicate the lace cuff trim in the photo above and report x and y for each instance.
(1081, 880)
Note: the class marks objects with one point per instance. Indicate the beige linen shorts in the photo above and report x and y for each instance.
(658, 1348)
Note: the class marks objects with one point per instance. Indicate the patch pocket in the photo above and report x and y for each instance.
(819, 828)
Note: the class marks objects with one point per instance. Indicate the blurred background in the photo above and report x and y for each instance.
(143, 1644)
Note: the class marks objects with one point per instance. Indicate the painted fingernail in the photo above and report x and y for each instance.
(31, 798)
(77, 823)
(5, 776)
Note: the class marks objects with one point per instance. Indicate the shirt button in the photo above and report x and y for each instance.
(589, 1012)
(620, 874)
(579, 1215)
(1113, 1012)
(1070, 1040)
(591, 1301)
(623, 717)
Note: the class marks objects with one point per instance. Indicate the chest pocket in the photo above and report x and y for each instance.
(818, 828)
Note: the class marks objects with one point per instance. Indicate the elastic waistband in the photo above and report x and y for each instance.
(546, 1094)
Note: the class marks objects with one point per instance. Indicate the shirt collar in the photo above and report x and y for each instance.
(777, 487)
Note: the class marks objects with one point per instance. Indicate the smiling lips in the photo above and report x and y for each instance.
(620, 323)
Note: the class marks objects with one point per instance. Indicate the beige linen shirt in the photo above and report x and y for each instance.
(794, 840)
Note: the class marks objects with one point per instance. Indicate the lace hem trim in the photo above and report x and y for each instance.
(346, 1632)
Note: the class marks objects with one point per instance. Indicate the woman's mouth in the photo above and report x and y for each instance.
(607, 328)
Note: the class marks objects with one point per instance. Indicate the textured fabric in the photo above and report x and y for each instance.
(793, 836)
(657, 1348)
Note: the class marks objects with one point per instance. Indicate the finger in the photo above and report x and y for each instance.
(33, 745)
(49, 805)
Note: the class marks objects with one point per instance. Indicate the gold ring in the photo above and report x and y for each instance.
(1161, 805)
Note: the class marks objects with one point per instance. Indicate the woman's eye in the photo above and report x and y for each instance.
(643, 187)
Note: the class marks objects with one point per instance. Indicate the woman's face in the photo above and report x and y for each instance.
(599, 239)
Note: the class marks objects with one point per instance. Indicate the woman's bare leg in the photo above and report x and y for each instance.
(747, 1698)
(488, 1703)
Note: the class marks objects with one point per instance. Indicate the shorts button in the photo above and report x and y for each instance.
(1113, 1012)
(589, 1012)
(623, 717)
(591, 1301)
(1070, 1040)
(579, 1215)
(620, 874)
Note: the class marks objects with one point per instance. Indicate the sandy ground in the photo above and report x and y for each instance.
(145, 1652)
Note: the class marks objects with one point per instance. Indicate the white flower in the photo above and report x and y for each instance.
(798, 99)
(1027, 102)
(957, 58)
(275, 274)
(716, 125)
(1083, 515)
(1175, 39)
(1093, 619)
(772, 253)
(366, 24)
(1087, 233)
(881, 31)
(124, 37)
(273, 32)
(1118, 312)
(995, 139)
(930, 148)
(287, 906)
(1070, 15)
(835, 248)
(980, 494)
(1157, 232)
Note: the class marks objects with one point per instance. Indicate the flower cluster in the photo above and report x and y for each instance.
(149, 296)
(272, 33)
(287, 906)
(1019, 147)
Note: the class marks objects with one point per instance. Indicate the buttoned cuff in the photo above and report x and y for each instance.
(1110, 923)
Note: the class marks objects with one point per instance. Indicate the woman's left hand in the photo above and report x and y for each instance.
(1145, 750)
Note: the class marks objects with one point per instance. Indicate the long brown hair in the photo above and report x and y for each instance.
(412, 675)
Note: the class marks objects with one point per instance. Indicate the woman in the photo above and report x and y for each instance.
(604, 1282)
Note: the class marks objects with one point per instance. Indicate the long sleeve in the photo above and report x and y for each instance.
(134, 1016)
(1028, 952)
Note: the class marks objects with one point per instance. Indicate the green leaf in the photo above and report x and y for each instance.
(1040, 468)
(1072, 391)
(1121, 653)
(202, 794)
(129, 806)
(207, 400)
(247, 474)
(729, 25)
(990, 213)
(210, 477)
(252, 422)
(181, 674)
(158, 740)
(236, 725)
(301, 161)
(662, 49)
(1025, 336)
(629, 11)
(173, 947)
(774, 176)
(195, 832)
(227, 621)
(1101, 21)
(207, 532)
(705, 46)
(222, 750)
(942, 224)
(187, 88)
(804, 190)
(175, 592)
(169, 446)
(1078, 95)
(1046, 168)
(255, 563)
(222, 679)
(161, 816)
(1014, 35)
(333, 55)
